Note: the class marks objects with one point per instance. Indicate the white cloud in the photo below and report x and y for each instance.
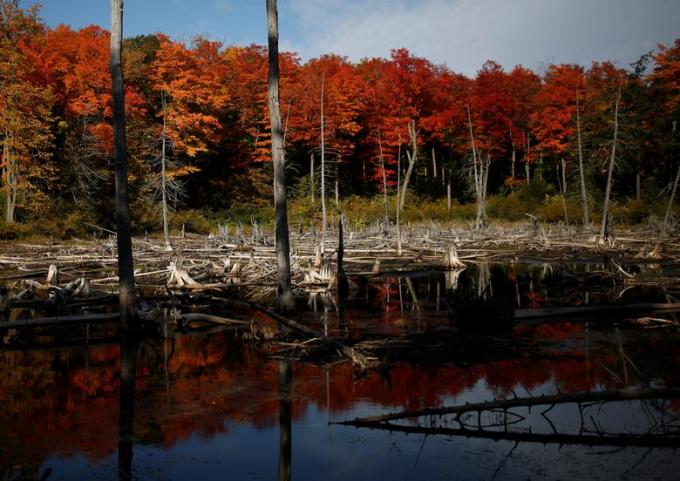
(465, 33)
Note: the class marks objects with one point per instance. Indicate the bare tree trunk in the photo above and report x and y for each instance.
(323, 172)
(605, 209)
(434, 163)
(584, 193)
(514, 159)
(669, 207)
(564, 176)
(413, 135)
(10, 180)
(284, 293)
(638, 181)
(448, 196)
(527, 167)
(164, 200)
(480, 177)
(398, 196)
(126, 277)
(564, 202)
(384, 176)
(311, 176)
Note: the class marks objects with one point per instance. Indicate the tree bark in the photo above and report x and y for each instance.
(605, 209)
(323, 172)
(434, 163)
(164, 197)
(582, 175)
(10, 180)
(311, 176)
(413, 135)
(669, 207)
(384, 176)
(284, 293)
(126, 277)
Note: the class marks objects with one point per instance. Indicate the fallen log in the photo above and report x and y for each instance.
(61, 320)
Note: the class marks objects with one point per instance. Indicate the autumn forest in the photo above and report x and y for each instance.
(203, 106)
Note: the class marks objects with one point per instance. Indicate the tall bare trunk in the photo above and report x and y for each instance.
(311, 176)
(384, 176)
(323, 170)
(564, 176)
(434, 163)
(638, 181)
(398, 196)
(412, 154)
(612, 160)
(126, 278)
(164, 195)
(284, 293)
(9, 162)
(669, 207)
(527, 167)
(480, 176)
(448, 196)
(582, 175)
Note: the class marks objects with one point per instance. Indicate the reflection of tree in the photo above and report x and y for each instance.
(128, 377)
(285, 420)
(499, 419)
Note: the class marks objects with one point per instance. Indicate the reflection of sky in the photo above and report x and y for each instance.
(345, 453)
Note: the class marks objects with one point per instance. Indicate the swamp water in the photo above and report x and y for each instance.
(212, 407)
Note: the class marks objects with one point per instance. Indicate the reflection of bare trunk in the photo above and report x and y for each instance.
(128, 376)
(605, 209)
(125, 262)
(285, 420)
(412, 154)
(284, 297)
(584, 193)
(164, 200)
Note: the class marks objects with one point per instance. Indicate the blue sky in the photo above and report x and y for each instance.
(459, 33)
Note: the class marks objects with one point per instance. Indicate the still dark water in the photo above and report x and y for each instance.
(212, 407)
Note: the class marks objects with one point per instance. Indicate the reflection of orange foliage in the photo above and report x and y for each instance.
(55, 405)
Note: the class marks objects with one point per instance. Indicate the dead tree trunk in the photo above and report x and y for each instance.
(434, 163)
(164, 195)
(612, 160)
(384, 176)
(398, 196)
(669, 207)
(284, 293)
(125, 262)
(412, 154)
(9, 161)
(527, 168)
(582, 175)
(323, 172)
(480, 176)
(311, 176)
